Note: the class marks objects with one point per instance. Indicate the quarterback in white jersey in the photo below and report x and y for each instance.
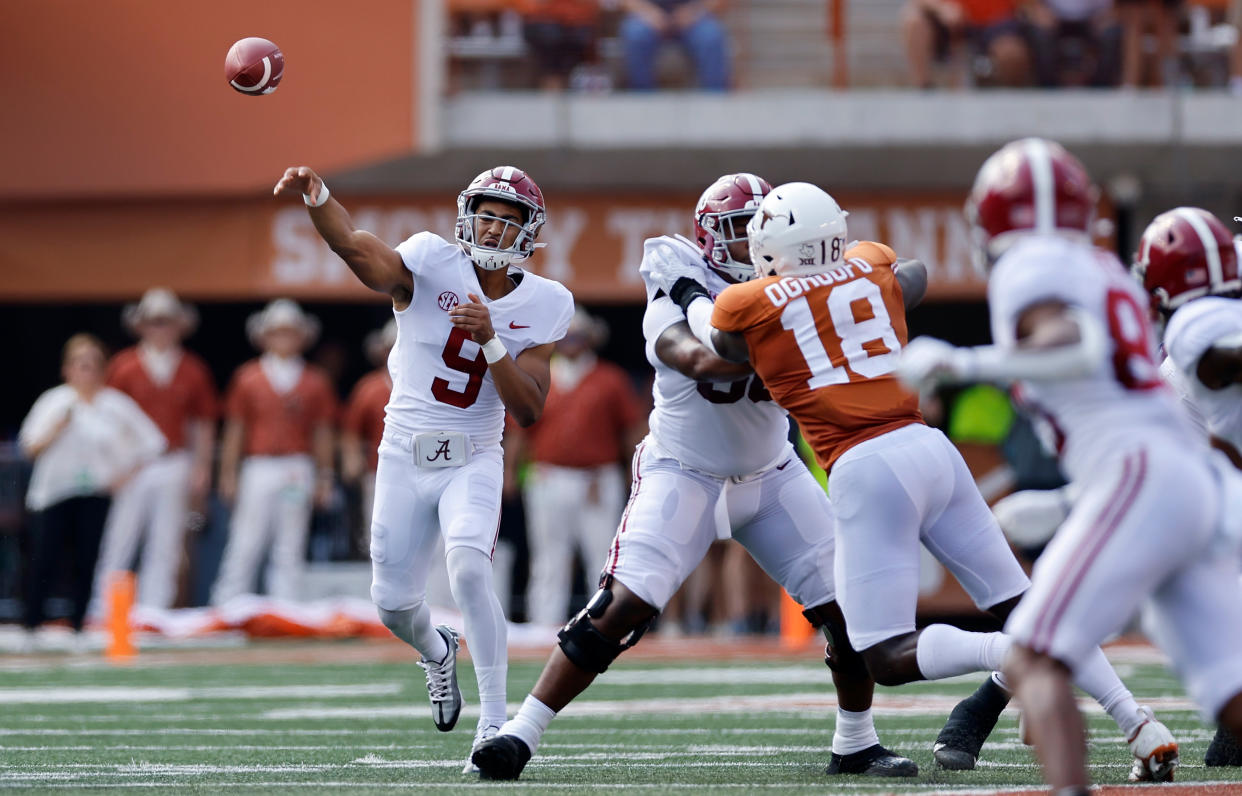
(1149, 523)
(717, 463)
(474, 338)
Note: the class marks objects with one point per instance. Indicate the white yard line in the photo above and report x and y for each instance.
(63, 694)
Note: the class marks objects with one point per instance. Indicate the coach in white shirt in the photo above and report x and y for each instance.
(86, 440)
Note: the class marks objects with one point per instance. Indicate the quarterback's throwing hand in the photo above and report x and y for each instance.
(926, 362)
(475, 318)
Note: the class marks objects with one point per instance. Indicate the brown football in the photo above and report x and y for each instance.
(254, 66)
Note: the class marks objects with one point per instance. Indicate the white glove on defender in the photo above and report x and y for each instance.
(1030, 518)
(926, 362)
(665, 268)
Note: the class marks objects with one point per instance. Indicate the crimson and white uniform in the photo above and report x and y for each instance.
(441, 382)
(1149, 516)
(717, 462)
(1192, 330)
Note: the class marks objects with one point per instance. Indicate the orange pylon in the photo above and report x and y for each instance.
(120, 601)
(796, 632)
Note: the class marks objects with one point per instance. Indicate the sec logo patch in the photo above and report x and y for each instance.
(448, 300)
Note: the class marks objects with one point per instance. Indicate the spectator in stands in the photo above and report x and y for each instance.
(561, 35)
(175, 389)
(276, 454)
(87, 440)
(693, 23)
(1138, 18)
(1074, 42)
(932, 29)
(592, 422)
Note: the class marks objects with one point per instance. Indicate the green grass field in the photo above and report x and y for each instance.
(210, 722)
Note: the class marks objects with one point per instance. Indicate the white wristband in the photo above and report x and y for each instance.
(323, 196)
(494, 350)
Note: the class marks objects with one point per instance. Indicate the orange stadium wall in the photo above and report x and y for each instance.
(129, 98)
(251, 248)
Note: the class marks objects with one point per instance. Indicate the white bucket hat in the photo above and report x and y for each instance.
(159, 302)
(281, 313)
(379, 342)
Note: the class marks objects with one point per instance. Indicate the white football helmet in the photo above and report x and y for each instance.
(798, 230)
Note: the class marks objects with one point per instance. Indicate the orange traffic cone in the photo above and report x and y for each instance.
(796, 632)
(120, 601)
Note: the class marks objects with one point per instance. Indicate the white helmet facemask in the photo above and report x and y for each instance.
(798, 230)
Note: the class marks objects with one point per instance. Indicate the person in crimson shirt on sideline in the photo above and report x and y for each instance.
(276, 454)
(175, 389)
(575, 493)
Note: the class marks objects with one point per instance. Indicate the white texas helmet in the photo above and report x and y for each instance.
(798, 230)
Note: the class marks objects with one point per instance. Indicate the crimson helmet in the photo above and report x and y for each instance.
(508, 184)
(1184, 254)
(1029, 185)
(720, 219)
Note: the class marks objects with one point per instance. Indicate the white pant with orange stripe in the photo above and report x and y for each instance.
(567, 508)
(1144, 526)
(273, 511)
(779, 514)
(149, 511)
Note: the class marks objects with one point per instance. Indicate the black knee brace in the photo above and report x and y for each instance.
(585, 646)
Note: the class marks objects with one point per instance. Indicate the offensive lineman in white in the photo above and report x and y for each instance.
(1150, 519)
(474, 339)
(717, 462)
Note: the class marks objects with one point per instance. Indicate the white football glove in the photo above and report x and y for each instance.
(667, 267)
(1029, 518)
(926, 362)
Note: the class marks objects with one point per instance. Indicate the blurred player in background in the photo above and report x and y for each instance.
(175, 389)
(717, 461)
(275, 456)
(576, 488)
(824, 329)
(475, 336)
(1153, 517)
(1188, 263)
(87, 440)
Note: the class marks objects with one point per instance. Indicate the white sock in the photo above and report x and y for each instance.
(855, 731)
(1096, 676)
(945, 651)
(531, 721)
(491, 693)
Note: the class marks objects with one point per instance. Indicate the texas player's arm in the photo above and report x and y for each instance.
(912, 276)
(376, 264)
(699, 310)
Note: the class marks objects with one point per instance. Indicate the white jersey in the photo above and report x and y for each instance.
(440, 380)
(725, 429)
(1192, 330)
(1093, 415)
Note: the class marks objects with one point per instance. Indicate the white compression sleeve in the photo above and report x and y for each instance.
(1005, 364)
(699, 316)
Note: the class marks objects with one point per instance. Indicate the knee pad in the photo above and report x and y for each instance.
(585, 646)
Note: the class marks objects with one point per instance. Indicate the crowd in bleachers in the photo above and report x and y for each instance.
(602, 45)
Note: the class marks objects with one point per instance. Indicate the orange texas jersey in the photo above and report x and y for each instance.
(826, 345)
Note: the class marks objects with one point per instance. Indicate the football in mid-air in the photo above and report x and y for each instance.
(254, 66)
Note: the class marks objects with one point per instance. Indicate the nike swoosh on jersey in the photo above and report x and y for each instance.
(783, 466)
(513, 325)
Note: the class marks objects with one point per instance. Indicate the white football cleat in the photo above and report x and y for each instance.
(442, 683)
(484, 732)
(1154, 750)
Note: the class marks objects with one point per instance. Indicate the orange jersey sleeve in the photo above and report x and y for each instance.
(826, 346)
